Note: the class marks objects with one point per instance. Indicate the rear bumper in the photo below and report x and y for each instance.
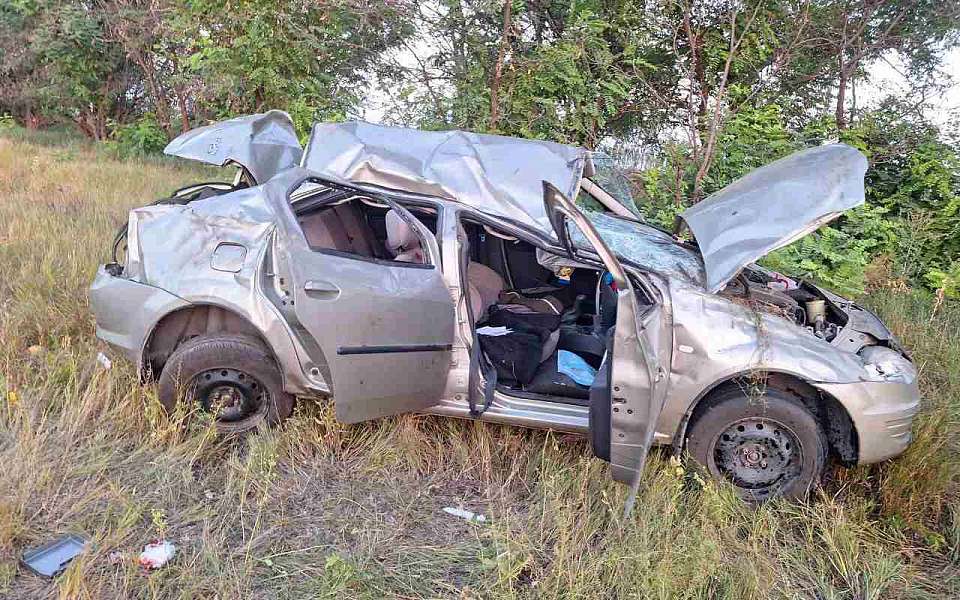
(882, 414)
(126, 311)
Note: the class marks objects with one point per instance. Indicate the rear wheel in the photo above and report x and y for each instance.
(231, 376)
(767, 446)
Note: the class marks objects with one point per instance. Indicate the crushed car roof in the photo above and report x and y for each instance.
(503, 176)
(496, 174)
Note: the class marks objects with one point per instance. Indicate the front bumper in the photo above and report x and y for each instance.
(126, 311)
(882, 414)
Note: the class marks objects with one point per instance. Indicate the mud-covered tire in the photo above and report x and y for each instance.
(768, 445)
(227, 365)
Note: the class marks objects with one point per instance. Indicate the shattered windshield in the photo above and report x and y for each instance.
(614, 181)
(645, 246)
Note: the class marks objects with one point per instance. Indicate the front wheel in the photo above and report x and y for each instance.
(231, 376)
(766, 445)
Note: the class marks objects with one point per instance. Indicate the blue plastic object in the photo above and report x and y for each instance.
(575, 368)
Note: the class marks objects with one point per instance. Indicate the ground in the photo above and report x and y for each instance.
(319, 509)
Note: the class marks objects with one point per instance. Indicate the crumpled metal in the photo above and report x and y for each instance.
(264, 144)
(498, 175)
(773, 206)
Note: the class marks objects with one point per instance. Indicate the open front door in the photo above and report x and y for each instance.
(635, 372)
(385, 328)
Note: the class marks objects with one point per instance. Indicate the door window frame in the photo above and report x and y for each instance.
(431, 250)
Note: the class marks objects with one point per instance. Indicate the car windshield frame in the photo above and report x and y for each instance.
(644, 246)
(614, 181)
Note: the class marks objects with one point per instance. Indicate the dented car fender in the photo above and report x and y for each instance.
(717, 340)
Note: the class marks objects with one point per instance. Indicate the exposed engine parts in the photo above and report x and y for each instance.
(796, 301)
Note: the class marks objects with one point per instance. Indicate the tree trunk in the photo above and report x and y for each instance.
(841, 114)
(159, 97)
(182, 104)
(498, 67)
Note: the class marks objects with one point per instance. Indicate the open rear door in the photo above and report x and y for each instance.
(384, 328)
(635, 372)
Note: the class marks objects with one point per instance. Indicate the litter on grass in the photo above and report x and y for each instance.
(52, 558)
(104, 361)
(157, 554)
(465, 514)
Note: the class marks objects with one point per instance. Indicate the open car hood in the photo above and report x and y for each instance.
(773, 206)
(264, 144)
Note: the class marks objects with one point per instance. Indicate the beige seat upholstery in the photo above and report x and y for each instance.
(402, 243)
(341, 227)
(485, 287)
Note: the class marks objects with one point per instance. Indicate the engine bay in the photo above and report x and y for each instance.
(796, 301)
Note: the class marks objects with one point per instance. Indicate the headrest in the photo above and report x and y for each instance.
(400, 235)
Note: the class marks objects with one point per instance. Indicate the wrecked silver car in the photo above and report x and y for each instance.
(453, 273)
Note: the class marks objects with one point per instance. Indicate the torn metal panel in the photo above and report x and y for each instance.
(264, 144)
(181, 239)
(773, 206)
(497, 175)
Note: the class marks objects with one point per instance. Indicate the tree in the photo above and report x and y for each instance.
(854, 33)
(57, 63)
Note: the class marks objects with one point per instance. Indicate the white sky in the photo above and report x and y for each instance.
(885, 78)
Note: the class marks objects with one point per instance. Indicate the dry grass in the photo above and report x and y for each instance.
(322, 510)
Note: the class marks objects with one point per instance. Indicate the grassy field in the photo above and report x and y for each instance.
(323, 510)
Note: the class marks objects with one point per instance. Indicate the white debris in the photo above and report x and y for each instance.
(104, 361)
(117, 557)
(156, 555)
(494, 331)
(465, 514)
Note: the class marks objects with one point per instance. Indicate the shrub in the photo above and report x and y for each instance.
(142, 137)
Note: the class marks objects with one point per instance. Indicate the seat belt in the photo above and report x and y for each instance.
(478, 361)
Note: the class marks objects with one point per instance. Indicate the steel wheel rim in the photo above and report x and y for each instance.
(759, 455)
(230, 395)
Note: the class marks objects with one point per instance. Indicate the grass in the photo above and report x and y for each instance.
(323, 510)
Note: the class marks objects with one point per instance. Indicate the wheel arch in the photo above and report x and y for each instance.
(187, 322)
(835, 419)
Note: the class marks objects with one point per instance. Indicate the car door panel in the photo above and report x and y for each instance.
(636, 381)
(385, 328)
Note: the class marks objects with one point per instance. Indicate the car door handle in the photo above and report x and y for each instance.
(321, 288)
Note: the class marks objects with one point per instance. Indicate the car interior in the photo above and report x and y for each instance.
(545, 331)
(362, 226)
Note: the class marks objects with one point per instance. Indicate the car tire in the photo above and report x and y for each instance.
(767, 444)
(232, 375)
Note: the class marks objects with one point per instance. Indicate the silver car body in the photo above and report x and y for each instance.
(239, 261)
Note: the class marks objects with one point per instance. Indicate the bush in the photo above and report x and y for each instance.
(948, 281)
(140, 138)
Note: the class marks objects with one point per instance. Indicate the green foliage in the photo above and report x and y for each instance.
(837, 255)
(948, 280)
(265, 54)
(55, 59)
(143, 137)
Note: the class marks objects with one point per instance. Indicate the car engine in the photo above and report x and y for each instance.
(796, 301)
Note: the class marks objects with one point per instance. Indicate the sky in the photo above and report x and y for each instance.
(885, 78)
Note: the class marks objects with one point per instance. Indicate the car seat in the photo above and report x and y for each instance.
(403, 243)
